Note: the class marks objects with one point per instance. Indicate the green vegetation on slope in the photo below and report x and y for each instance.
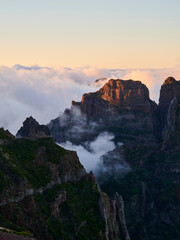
(28, 164)
(81, 208)
(21, 157)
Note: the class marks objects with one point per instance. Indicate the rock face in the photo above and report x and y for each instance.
(151, 189)
(32, 129)
(46, 192)
(121, 216)
(169, 90)
(121, 107)
(126, 95)
(113, 213)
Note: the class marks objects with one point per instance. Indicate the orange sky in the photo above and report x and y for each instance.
(110, 34)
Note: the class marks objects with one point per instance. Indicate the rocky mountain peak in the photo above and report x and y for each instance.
(126, 92)
(30, 120)
(122, 107)
(169, 80)
(169, 91)
(32, 129)
(5, 136)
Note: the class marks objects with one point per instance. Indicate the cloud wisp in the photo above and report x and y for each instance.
(102, 156)
(90, 156)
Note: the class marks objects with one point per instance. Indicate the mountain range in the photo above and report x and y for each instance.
(46, 193)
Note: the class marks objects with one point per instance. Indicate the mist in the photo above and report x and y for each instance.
(90, 154)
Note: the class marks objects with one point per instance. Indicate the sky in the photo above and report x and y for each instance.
(51, 52)
(101, 33)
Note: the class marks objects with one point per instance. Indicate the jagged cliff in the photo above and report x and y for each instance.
(151, 189)
(150, 134)
(127, 95)
(46, 192)
(121, 107)
(32, 129)
(169, 91)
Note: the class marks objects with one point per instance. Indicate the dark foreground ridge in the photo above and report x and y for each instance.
(46, 194)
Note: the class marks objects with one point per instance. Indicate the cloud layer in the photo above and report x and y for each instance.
(43, 92)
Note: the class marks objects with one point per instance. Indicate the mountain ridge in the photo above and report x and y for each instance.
(121, 105)
(46, 192)
(150, 137)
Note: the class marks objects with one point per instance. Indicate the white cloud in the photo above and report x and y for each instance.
(102, 156)
(43, 92)
(96, 149)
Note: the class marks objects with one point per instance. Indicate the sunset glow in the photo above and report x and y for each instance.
(109, 34)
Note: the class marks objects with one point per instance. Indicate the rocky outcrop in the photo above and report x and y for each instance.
(113, 213)
(61, 198)
(121, 216)
(169, 90)
(5, 136)
(108, 211)
(126, 95)
(170, 127)
(121, 107)
(32, 129)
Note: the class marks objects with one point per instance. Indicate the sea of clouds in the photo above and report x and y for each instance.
(44, 92)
